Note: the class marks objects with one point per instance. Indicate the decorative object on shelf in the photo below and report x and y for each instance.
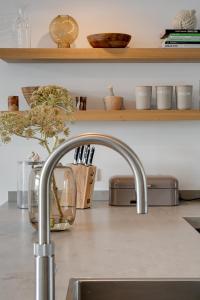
(28, 91)
(63, 197)
(143, 97)
(112, 102)
(13, 103)
(43, 124)
(184, 96)
(81, 103)
(34, 157)
(23, 30)
(185, 19)
(109, 40)
(164, 96)
(63, 30)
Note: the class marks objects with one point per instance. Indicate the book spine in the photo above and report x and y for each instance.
(168, 31)
(181, 46)
(179, 31)
(185, 34)
(183, 42)
(183, 38)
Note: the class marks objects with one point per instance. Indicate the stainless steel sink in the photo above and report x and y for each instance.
(133, 289)
(194, 222)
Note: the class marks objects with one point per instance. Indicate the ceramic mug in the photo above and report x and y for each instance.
(164, 96)
(113, 102)
(184, 96)
(143, 97)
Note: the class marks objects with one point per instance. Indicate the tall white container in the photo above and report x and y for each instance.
(164, 96)
(184, 96)
(143, 97)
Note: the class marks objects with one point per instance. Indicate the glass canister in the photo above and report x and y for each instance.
(62, 197)
(23, 171)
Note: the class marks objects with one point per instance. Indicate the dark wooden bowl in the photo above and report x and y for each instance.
(109, 40)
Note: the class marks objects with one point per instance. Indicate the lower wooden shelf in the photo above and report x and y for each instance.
(134, 115)
(137, 115)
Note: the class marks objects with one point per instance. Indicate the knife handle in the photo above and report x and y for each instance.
(91, 156)
(81, 155)
(76, 153)
(86, 155)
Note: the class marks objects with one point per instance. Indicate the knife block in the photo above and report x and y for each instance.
(85, 179)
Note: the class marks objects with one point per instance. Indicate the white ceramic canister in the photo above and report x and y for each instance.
(164, 96)
(143, 97)
(184, 96)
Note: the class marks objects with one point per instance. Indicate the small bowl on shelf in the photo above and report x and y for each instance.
(27, 92)
(109, 40)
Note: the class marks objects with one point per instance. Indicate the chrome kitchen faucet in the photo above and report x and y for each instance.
(44, 249)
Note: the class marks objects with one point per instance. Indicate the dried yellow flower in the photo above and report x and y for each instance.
(43, 121)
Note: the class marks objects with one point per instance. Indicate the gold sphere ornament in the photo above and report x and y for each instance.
(63, 30)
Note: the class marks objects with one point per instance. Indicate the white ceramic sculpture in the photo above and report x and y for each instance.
(34, 157)
(111, 91)
(185, 19)
(112, 102)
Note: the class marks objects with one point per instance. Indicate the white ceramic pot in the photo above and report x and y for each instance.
(184, 96)
(143, 97)
(164, 96)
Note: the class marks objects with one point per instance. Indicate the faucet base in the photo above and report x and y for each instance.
(45, 268)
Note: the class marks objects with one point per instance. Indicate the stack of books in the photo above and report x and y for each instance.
(181, 38)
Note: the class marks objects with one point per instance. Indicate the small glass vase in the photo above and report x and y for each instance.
(62, 197)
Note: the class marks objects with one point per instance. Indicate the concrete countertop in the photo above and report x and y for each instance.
(104, 242)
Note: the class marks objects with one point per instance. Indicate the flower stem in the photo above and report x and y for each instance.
(54, 188)
(55, 194)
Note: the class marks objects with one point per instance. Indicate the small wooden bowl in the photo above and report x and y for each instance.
(109, 40)
(28, 91)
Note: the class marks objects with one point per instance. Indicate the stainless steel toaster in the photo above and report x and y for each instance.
(162, 191)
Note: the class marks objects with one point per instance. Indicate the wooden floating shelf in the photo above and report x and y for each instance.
(32, 55)
(132, 115)
(137, 115)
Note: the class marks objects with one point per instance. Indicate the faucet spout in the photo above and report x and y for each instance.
(43, 250)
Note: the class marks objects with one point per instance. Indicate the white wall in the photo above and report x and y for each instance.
(164, 147)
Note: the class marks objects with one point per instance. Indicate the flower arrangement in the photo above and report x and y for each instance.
(45, 123)
(52, 95)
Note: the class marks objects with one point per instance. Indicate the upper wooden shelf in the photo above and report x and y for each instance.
(137, 115)
(22, 55)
